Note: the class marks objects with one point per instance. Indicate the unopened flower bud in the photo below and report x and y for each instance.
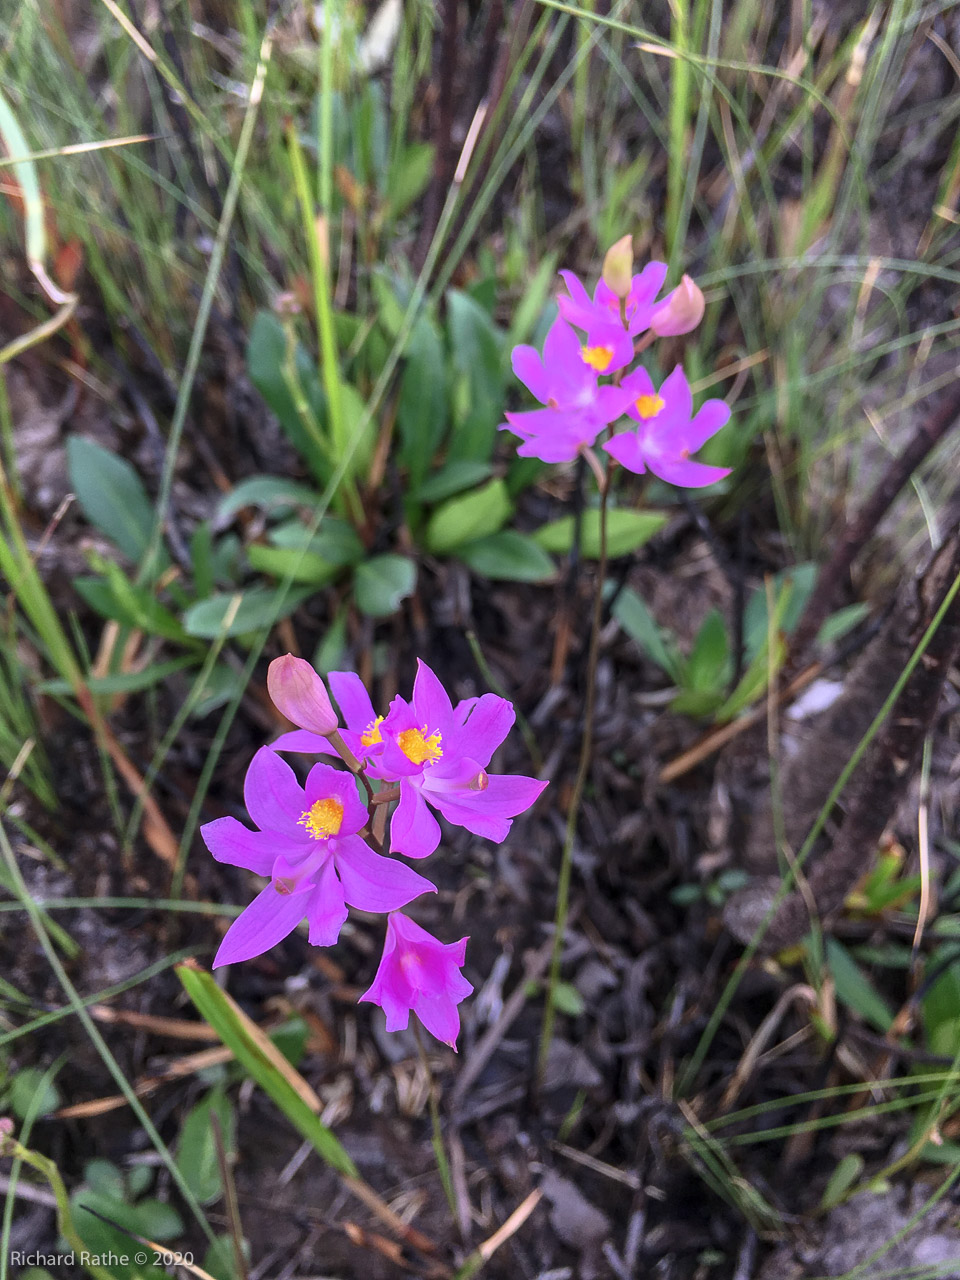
(299, 694)
(682, 310)
(618, 267)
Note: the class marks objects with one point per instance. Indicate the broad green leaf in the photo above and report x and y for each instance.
(380, 584)
(122, 681)
(453, 478)
(201, 559)
(299, 566)
(477, 349)
(197, 1150)
(466, 518)
(331, 651)
(24, 1089)
(265, 1063)
(111, 495)
(117, 598)
(626, 531)
(707, 668)
(855, 989)
(277, 378)
(510, 556)
(266, 492)
(840, 623)
(796, 583)
(567, 999)
(258, 607)
(335, 541)
(659, 645)
(941, 1007)
(527, 312)
(423, 405)
(408, 177)
(841, 1180)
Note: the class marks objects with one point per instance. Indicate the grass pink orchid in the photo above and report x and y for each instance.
(440, 755)
(418, 974)
(668, 431)
(309, 846)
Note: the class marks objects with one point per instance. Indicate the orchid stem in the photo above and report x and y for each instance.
(439, 1150)
(583, 769)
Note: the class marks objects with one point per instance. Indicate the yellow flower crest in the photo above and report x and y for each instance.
(323, 819)
(417, 746)
(649, 406)
(597, 357)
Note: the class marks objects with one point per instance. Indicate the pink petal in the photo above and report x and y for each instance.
(675, 390)
(231, 842)
(561, 348)
(273, 797)
(489, 721)
(324, 782)
(648, 283)
(352, 699)
(686, 474)
(430, 700)
(303, 740)
(628, 451)
(528, 367)
(440, 1016)
(326, 911)
(267, 921)
(372, 883)
(298, 692)
(414, 831)
(712, 416)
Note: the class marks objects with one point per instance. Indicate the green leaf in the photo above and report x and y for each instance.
(477, 349)
(25, 1087)
(201, 559)
(264, 1063)
(111, 495)
(259, 607)
(840, 623)
(380, 584)
(796, 585)
(567, 999)
(626, 531)
(269, 366)
(298, 566)
(707, 668)
(408, 177)
(453, 478)
(855, 989)
(464, 519)
(197, 1149)
(267, 493)
(335, 541)
(423, 404)
(941, 1008)
(841, 1180)
(510, 556)
(531, 305)
(134, 607)
(659, 645)
(122, 681)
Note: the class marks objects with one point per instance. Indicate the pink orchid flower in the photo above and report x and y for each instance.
(298, 693)
(440, 755)
(418, 974)
(307, 843)
(565, 380)
(668, 431)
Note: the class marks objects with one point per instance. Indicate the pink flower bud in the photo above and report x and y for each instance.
(299, 694)
(682, 310)
(618, 267)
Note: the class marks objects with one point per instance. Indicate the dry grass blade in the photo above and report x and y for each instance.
(176, 1070)
(175, 1028)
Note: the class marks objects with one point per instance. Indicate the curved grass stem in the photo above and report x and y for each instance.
(583, 769)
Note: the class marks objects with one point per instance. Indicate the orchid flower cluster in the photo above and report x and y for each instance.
(621, 319)
(323, 847)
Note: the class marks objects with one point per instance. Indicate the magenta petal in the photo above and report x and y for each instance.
(352, 699)
(372, 883)
(611, 403)
(489, 826)
(430, 700)
(326, 911)
(489, 721)
(686, 474)
(324, 783)
(273, 797)
(675, 391)
(528, 367)
(712, 416)
(627, 450)
(231, 842)
(303, 740)
(267, 921)
(440, 1016)
(300, 694)
(561, 348)
(414, 831)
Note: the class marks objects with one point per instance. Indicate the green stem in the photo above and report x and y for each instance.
(439, 1150)
(583, 769)
(680, 80)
